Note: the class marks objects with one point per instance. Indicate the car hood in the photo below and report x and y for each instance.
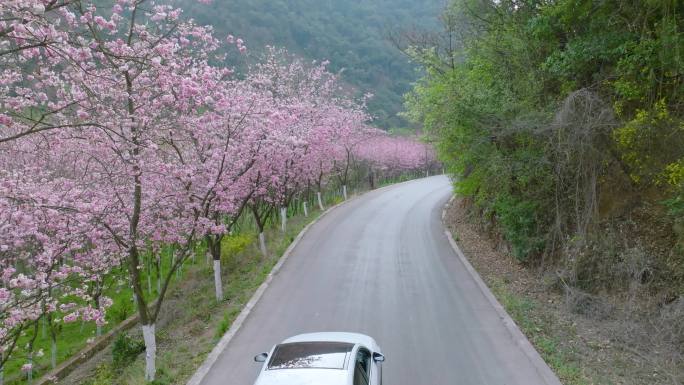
(303, 376)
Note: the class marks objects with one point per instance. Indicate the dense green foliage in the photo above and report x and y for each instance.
(125, 349)
(561, 118)
(351, 34)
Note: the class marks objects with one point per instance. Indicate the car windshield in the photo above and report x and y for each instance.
(323, 355)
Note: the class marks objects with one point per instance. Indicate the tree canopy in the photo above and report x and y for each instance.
(560, 119)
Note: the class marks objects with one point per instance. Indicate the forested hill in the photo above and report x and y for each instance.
(349, 33)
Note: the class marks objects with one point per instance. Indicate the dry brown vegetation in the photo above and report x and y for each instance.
(629, 336)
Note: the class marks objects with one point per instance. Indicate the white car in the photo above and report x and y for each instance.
(322, 359)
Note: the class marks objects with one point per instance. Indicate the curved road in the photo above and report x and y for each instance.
(382, 265)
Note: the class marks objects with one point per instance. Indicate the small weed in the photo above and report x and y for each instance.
(559, 358)
(227, 320)
(103, 375)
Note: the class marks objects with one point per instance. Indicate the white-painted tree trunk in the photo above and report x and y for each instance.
(344, 192)
(150, 351)
(53, 354)
(262, 244)
(218, 284)
(283, 219)
(306, 210)
(29, 375)
(98, 331)
(320, 201)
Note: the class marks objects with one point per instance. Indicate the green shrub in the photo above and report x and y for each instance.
(235, 244)
(519, 226)
(120, 311)
(125, 350)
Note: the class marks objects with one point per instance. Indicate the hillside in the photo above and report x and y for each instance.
(562, 123)
(351, 34)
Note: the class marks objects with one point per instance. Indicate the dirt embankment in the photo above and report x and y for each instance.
(616, 338)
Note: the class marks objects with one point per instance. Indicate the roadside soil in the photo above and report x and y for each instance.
(607, 345)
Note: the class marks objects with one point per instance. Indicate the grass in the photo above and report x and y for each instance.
(561, 359)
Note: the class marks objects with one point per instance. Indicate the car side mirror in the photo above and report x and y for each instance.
(378, 357)
(261, 357)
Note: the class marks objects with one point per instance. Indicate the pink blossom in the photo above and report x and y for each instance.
(71, 317)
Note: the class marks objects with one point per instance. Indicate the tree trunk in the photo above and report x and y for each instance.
(49, 324)
(344, 192)
(29, 348)
(214, 245)
(29, 375)
(262, 244)
(53, 353)
(96, 301)
(260, 221)
(218, 285)
(150, 351)
(283, 219)
(320, 201)
(306, 210)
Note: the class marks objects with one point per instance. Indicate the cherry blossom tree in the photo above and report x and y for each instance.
(37, 47)
(394, 155)
(140, 71)
(46, 253)
(223, 155)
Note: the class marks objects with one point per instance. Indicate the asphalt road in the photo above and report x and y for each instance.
(381, 265)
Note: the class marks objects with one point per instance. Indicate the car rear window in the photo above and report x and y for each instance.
(323, 355)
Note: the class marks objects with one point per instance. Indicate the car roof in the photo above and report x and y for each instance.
(311, 354)
(303, 377)
(354, 338)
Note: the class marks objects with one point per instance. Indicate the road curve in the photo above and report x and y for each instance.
(382, 265)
